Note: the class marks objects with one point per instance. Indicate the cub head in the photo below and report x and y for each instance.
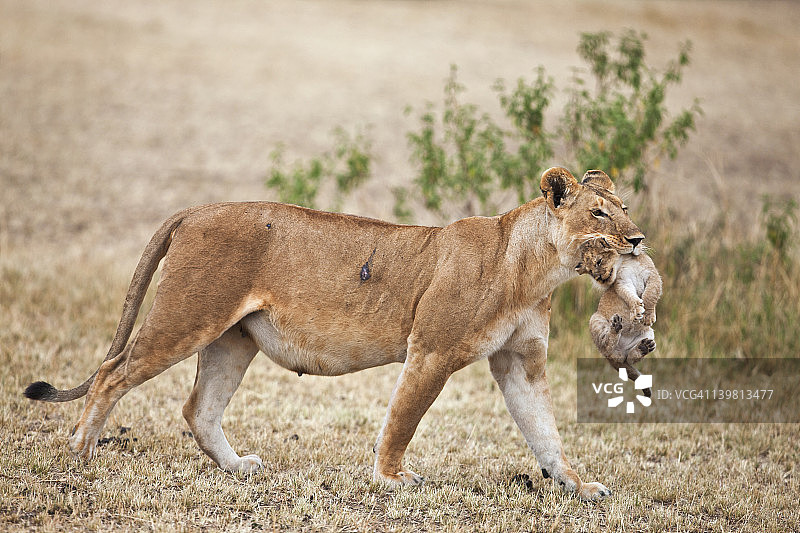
(587, 211)
(598, 260)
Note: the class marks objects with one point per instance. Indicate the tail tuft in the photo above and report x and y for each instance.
(41, 390)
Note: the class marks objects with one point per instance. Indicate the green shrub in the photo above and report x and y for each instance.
(461, 168)
(779, 218)
(345, 167)
(465, 160)
(298, 185)
(621, 124)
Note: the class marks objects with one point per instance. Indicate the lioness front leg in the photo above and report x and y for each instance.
(220, 369)
(522, 380)
(420, 382)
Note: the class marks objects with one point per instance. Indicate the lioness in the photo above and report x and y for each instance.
(622, 325)
(324, 293)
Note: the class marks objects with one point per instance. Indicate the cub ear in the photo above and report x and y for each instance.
(598, 178)
(557, 183)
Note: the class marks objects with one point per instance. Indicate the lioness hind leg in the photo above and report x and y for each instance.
(137, 363)
(99, 402)
(162, 341)
(220, 369)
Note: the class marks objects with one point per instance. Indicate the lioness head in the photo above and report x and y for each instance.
(589, 210)
(598, 260)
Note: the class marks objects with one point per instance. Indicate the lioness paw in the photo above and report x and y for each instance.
(249, 464)
(403, 477)
(410, 478)
(83, 446)
(646, 346)
(593, 491)
(616, 324)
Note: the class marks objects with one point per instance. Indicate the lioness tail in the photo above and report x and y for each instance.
(155, 250)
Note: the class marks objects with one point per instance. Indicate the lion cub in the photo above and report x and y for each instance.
(621, 327)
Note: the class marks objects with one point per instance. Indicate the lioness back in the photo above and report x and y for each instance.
(335, 289)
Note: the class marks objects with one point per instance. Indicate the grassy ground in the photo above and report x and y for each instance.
(315, 435)
(114, 115)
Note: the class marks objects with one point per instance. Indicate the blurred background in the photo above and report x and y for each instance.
(113, 115)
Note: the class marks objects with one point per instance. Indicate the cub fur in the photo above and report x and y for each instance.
(622, 325)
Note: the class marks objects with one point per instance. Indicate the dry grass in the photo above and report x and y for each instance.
(115, 115)
(315, 435)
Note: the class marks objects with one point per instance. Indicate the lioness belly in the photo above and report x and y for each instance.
(301, 349)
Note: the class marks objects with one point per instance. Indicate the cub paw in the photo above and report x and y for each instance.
(616, 324)
(593, 491)
(637, 313)
(649, 317)
(646, 346)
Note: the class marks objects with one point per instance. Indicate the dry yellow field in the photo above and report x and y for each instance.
(114, 115)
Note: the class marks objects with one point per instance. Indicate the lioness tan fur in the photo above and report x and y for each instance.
(622, 326)
(328, 294)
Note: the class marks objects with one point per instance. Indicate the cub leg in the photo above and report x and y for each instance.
(523, 382)
(420, 382)
(605, 335)
(220, 369)
(650, 297)
(646, 345)
(627, 293)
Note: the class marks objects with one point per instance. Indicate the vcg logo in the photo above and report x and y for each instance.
(642, 382)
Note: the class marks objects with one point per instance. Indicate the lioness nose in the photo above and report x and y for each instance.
(635, 241)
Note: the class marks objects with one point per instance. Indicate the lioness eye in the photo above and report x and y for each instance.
(599, 213)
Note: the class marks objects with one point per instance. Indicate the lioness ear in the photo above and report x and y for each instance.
(556, 185)
(598, 178)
